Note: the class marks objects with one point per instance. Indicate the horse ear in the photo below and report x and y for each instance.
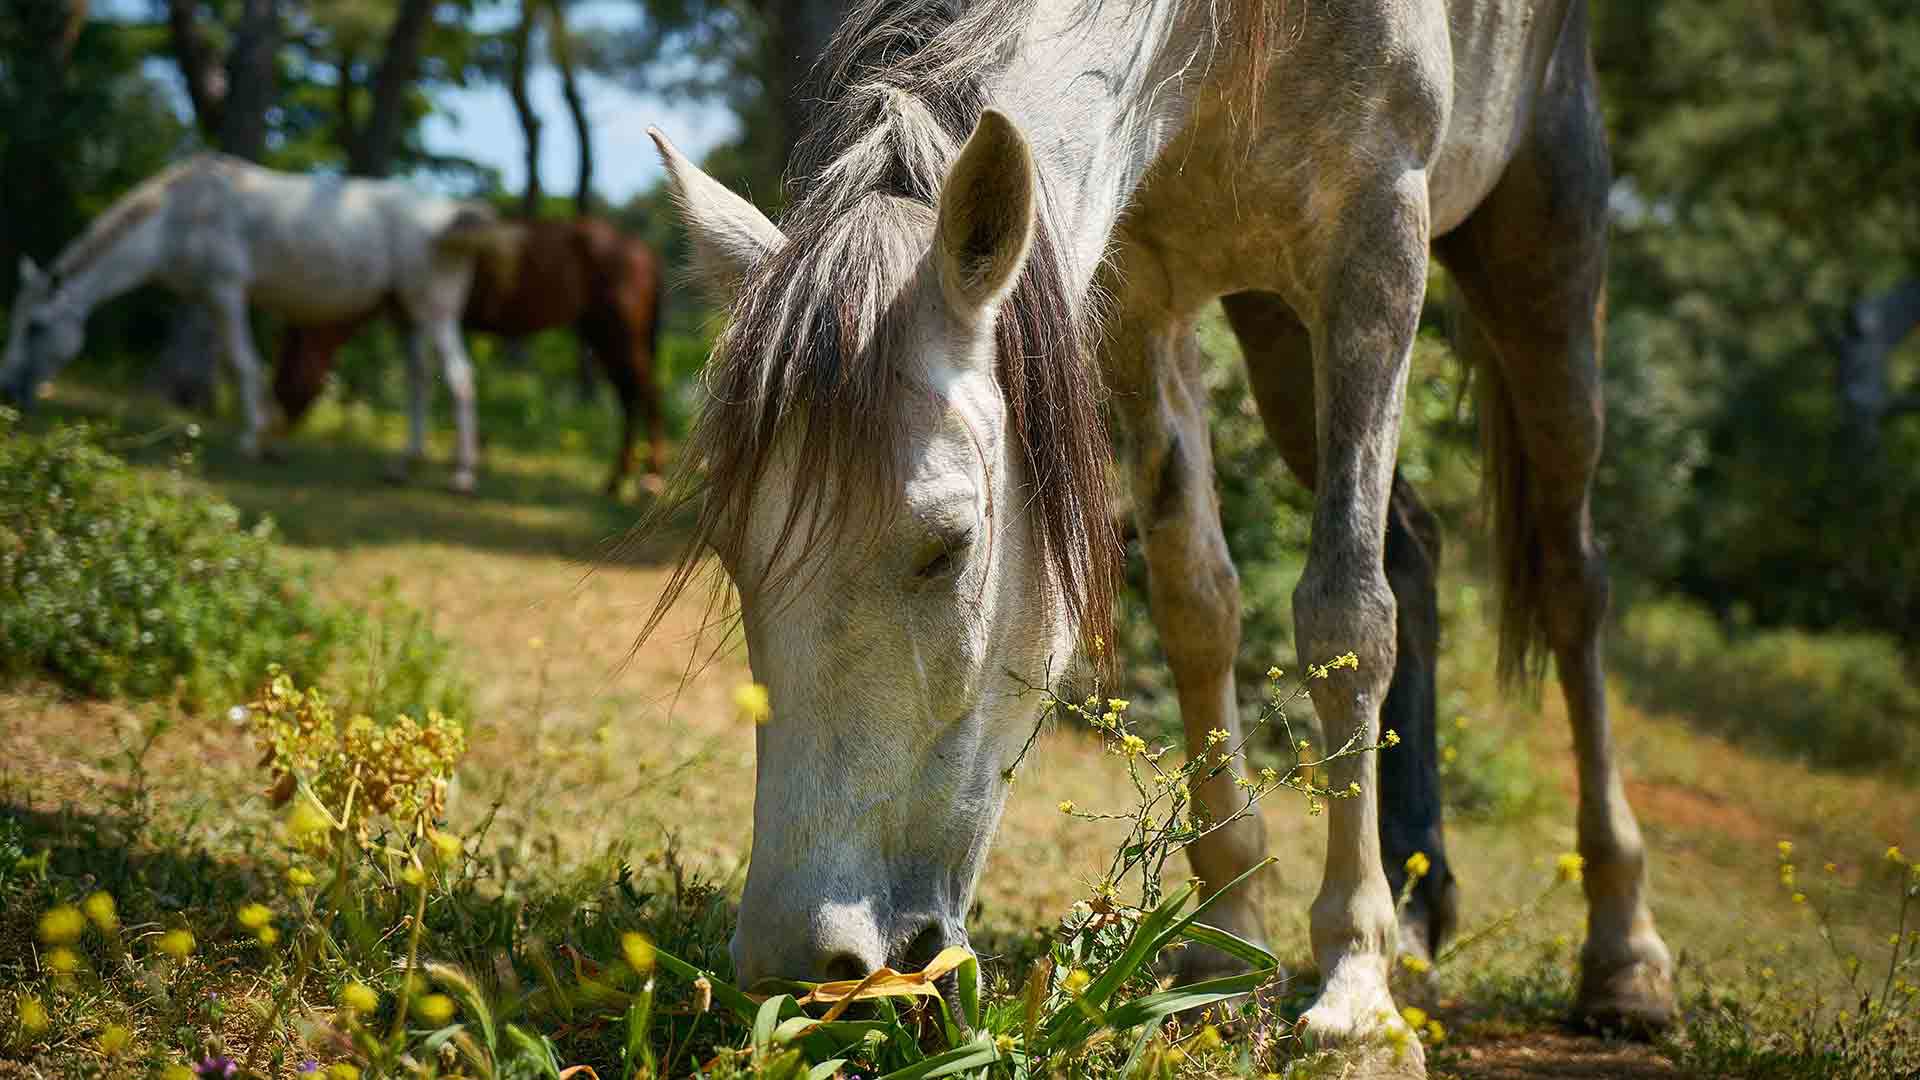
(986, 216)
(30, 274)
(730, 235)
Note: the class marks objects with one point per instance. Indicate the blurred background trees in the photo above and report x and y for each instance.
(1764, 445)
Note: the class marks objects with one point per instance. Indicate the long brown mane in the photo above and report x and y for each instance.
(810, 352)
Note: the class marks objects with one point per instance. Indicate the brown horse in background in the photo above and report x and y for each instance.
(582, 273)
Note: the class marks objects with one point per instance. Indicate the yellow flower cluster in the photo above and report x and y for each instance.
(753, 701)
(1569, 867)
(400, 768)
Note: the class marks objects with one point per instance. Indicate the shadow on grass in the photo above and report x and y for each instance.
(333, 492)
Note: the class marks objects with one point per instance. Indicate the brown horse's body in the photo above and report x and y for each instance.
(581, 273)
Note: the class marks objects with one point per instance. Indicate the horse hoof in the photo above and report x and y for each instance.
(1355, 1019)
(653, 484)
(463, 482)
(1635, 1000)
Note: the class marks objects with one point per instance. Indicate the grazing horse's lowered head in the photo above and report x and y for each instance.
(44, 336)
(899, 585)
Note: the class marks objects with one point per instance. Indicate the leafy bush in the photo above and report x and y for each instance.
(1843, 700)
(118, 586)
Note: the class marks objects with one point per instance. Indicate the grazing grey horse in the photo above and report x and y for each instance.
(903, 465)
(313, 249)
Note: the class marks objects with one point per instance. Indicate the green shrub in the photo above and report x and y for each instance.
(116, 585)
(1836, 700)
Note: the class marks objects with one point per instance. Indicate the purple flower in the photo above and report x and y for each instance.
(308, 1066)
(215, 1067)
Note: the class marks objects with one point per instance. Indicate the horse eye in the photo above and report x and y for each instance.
(942, 556)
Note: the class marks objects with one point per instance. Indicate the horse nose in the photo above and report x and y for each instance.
(833, 941)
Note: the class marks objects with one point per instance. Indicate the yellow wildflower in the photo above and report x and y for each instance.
(535, 644)
(638, 951)
(1391, 738)
(267, 936)
(305, 820)
(177, 1072)
(1175, 1055)
(1415, 1016)
(253, 916)
(753, 702)
(1568, 867)
(359, 997)
(434, 1008)
(101, 911)
(1118, 704)
(1133, 745)
(63, 960)
(1799, 898)
(1436, 1032)
(1353, 789)
(1066, 806)
(413, 875)
(1418, 864)
(1109, 717)
(62, 925)
(340, 1070)
(1449, 755)
(1217, 736)
(1003, 1043)
(299, 877)
(1415, 964)
(1076, 980)
(113, 1039)
(1274, 674)
(1786, 849)
(1208, 1039)
(1830, 868)
(32, 1013)
(176, 943)
(1895, 855)
(446, 846)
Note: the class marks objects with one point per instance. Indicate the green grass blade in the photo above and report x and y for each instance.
(765, 1022)
(980, 1051)
(724, 992)
(1231, 944)
(1152, 1007)
(825, 1069)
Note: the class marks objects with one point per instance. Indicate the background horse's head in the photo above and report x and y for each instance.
(872, 491)
(44, 335)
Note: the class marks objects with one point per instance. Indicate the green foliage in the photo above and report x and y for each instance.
(1767, 172)
(117, 584)
(1834, 700)
(120, 587)
(1487, 774)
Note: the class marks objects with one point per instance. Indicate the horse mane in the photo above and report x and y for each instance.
(129, 210)
(807, 352)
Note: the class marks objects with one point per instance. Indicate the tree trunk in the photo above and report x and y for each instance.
(1873, 329)
(252, 80)
(200, 67)
(379, 141)
(562, 44)
(798, 34)
(520, 62)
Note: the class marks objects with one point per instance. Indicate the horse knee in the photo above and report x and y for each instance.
(1347, 606)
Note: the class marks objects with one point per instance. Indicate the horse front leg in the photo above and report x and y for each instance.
(445, 335)
(419, 348)
(1369, 311)
(229, 307)
(1195, 595)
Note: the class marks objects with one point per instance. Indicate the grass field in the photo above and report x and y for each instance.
(587, 751)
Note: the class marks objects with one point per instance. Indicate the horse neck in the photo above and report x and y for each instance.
(130, 261)
(1099, 90)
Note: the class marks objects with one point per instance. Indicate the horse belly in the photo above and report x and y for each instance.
(1501, 49)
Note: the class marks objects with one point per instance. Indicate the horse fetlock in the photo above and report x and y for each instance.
(463, 480)
(1356, 1016)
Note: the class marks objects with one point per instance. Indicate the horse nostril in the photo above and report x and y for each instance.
(923, 948)
(845, 966)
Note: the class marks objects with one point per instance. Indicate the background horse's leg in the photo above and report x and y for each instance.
(1195, 594)
(1279, 356)
(1531, 262)
(1376, 268)
(419, 347)
(444, 334)
(229, 307)
(614, 351)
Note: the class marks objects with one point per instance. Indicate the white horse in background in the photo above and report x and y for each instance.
(311, 249)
